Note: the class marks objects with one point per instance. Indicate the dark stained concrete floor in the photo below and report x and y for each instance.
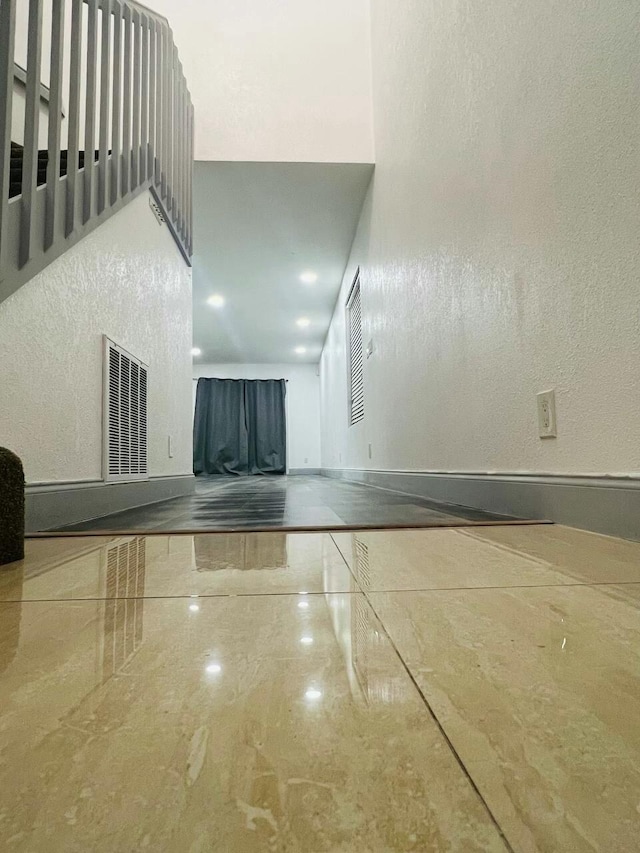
(247, 503)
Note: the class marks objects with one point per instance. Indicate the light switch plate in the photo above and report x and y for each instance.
(547, 425)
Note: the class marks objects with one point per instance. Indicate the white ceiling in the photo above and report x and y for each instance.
(257, 228)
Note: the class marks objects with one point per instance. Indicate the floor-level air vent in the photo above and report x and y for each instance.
(124, 415)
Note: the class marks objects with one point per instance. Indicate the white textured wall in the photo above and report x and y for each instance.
(499, 245)
(277, 80)
(126, 280)
(18, 109)
(303, 403)
(20, 57)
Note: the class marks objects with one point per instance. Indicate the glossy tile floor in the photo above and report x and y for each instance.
(457, 690)
(242, 503)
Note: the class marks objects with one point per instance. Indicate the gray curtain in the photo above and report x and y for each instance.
(240, 427)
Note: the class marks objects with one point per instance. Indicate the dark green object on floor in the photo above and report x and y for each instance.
(11, 507)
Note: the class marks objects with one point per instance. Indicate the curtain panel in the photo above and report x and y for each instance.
(240, 427)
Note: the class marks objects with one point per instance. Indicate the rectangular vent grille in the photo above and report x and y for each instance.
(355, 354)
(125, 421)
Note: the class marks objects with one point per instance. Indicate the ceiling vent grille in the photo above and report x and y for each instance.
(355, 354)
(125, 416)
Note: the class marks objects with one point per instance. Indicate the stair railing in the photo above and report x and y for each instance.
(129, 127)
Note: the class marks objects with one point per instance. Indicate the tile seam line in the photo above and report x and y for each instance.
(345, 528)
(478, 588)
(181, 597)
(439, 725)
(185, 596)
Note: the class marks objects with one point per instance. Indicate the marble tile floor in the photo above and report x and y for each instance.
(461, 689)
(246, 503)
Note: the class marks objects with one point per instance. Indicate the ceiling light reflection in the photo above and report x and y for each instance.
(313, 694)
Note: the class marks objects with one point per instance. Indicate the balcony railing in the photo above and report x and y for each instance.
(128, 127)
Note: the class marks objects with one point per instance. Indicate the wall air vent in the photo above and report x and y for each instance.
(124, 410)
(355, 353)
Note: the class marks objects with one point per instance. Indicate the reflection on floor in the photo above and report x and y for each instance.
(241, 503)
(439, 690)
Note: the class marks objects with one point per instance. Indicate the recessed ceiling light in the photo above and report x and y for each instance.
(216, 301)
(300, 350)
(196, 351)
(214, 668)
(194, 608)
(309, 277)
(303, 322)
